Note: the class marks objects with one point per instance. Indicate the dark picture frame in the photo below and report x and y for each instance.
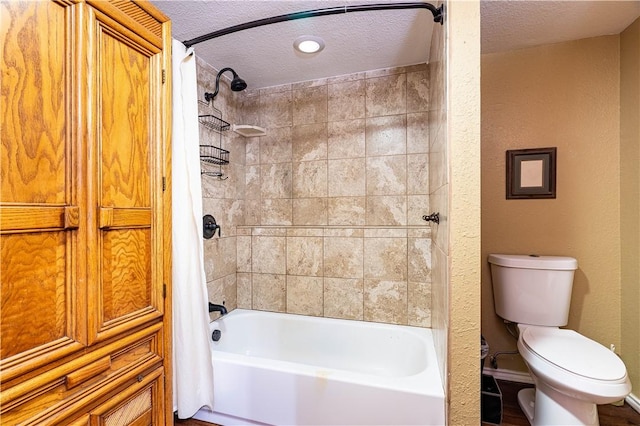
(531, 173)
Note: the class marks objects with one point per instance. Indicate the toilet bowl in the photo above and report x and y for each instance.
(572, 373)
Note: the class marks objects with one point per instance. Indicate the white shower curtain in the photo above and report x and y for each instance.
(192, 368)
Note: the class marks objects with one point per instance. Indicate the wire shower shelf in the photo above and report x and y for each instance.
(214, 155)
(209, 153)
(214, 123)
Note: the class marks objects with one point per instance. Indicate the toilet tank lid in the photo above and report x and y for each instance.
(532, 261)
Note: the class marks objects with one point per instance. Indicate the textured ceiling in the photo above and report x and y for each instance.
(264, 56)
(361, 41)
(515, 24)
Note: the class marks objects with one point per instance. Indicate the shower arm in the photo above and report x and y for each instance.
(209, 96)
(438, 16)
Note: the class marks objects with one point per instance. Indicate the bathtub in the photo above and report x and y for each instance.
(284, 369)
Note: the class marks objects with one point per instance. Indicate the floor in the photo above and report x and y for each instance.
(610, 415)
(192, 422)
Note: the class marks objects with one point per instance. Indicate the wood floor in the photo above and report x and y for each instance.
(610, 415)
(512, 415)
(191, 422)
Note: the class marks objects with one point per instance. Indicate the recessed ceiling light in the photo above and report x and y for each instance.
(308, 44)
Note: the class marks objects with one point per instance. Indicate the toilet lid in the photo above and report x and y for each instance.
(574, 352)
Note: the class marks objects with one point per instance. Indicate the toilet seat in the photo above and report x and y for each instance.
(568, 362)
(574, 353)
(573, 364)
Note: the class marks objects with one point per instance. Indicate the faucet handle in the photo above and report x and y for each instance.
(209, 227)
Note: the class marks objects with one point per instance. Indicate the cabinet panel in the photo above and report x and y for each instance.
(133, 407)
(34, 101)
(125, 141)
(136, 407)
(126, 276)
(34, 293)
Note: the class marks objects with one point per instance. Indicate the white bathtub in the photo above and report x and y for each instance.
(283, 369)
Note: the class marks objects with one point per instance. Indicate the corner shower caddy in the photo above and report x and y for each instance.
(210, 153)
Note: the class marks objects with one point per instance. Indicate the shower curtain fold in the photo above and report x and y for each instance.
(192, 366)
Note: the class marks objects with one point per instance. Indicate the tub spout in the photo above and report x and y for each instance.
(217, 308)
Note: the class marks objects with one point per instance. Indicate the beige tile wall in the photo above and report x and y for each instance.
(367, 273)
(334, 198)
(224, 199)
(439, 197)
(322, 216)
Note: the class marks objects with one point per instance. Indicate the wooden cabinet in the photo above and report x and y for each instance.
(84, 212)
(133, 407)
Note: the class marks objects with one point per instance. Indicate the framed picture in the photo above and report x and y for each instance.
(531, 173)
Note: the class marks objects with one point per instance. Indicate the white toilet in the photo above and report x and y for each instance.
(571, 372)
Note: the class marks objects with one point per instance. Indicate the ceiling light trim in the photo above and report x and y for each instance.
(309, 44)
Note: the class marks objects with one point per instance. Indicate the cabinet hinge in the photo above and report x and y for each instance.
(164, 76)
(164, 183)
(164, 291)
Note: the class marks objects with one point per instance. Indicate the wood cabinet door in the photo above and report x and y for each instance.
(135, 406)
(125, 180)
(41, 206)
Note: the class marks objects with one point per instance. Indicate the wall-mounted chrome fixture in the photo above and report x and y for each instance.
(433, 217)
(237, 84)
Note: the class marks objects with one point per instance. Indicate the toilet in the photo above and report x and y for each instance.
(572, 373)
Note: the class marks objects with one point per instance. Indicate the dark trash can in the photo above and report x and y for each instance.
(490, 395)
(484, 351)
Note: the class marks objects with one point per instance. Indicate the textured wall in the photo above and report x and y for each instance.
(564, 95)
(630, 198)
(463, 140)
(335, 194)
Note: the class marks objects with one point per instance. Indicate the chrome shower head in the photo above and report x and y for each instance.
(237, 84)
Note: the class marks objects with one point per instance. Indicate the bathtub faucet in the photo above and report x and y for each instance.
(217, 308)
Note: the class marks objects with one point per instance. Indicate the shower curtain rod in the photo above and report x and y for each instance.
(438, 16)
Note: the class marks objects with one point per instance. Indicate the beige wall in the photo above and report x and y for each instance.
(630, 198)
(335, 194)
(567, 96)
(462, 252)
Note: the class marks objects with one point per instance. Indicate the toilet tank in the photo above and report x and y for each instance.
(530, 289)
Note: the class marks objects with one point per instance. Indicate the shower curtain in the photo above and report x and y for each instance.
(192, 368)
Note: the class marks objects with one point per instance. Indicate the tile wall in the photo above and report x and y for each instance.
(222, 198)
(439, 196)
(333, 199)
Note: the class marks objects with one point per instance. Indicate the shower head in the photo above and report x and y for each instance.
(237, 84)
